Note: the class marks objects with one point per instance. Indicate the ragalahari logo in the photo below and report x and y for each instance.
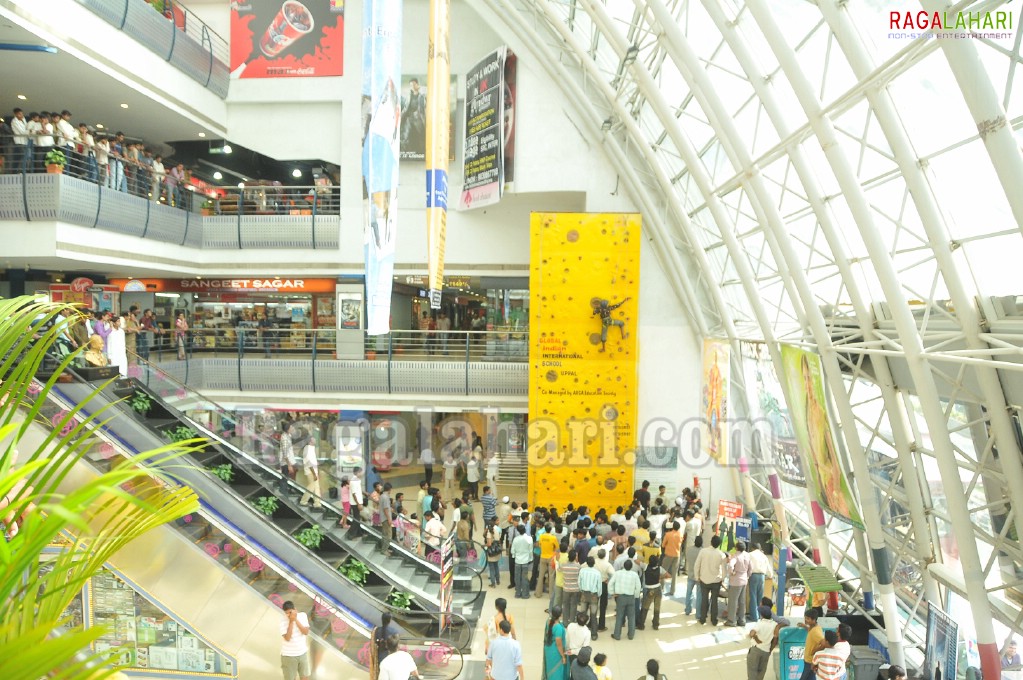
(951, 25)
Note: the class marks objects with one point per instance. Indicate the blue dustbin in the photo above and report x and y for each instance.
(791, 644)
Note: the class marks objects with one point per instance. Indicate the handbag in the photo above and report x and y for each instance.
(494, 549)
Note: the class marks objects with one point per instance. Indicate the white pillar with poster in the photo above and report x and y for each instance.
(350, 321)
(447, 581)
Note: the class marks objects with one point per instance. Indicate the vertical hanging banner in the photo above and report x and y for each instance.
(714, 425)
(821, 457)
(778, 447)
(583, 384)
(381, 111)
(447, 581)
(438, 135)
(287, 39)
(488, 130)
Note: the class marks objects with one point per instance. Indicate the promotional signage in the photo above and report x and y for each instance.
(729, 509)
(81, 285)
(414, 95)
(438, 134)
(447, 580)
(381, 105)
(821, 457)
(489, 118)
(263, 285)
(942, 649)
(289, 39)
(714, 424)
(584, 300)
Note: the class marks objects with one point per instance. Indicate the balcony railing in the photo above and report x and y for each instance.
(172, 31)
(264, 217)
(484, 363)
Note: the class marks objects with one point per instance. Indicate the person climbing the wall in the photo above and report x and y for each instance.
(603, 308)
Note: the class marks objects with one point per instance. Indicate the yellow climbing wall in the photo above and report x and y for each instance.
(582, 400)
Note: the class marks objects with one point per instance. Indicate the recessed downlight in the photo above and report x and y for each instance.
(124, 106)
(202, 134)
(22, 97)
(218, 175)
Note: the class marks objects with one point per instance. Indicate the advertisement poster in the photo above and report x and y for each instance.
(803, 376)
(489, 119)
(447, 580)
(773, 425)
(287, 38)
(714, 425)
(438, 134)
(583, 382)
(381, 112)
(941, 656)
(414, 95)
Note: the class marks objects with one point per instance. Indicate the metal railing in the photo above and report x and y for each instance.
(280, 359)
(173, 32)
(234, 220)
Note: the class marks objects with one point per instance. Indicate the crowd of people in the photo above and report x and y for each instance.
(112, 339)
(106, 159)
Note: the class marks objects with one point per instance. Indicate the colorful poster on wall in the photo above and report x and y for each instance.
(775, 443)
(447, 581)
(287, 39)
(414, 97)
(381, 111)
(941, 655)
(804, 378)
(714, 425)
(584, 288)
(489, 119)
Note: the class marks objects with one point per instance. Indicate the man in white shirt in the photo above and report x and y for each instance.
(68, 136)
(694, 528)
(493, 467)
(435, 532)
(311, 470)
(295, 647)
(44, 140)
(764, 636)
(760, 565)
(426, 455)
(86, 148)
(159, 175)
(398, 664)
(22, 145)
(443, 330)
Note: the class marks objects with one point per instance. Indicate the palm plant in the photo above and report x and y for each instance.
(46, 501)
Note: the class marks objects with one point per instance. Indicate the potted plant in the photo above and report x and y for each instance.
(140, 403)
(180, 433)
(224, 471)
(355, 571)
(311, 537)
(208, 207)
(399, 599)
(266, 504)
(55, 162)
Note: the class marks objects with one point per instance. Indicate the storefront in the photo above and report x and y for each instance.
(502, 303)
(293, 307)
(82, 291)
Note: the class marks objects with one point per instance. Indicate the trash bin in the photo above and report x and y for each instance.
(864, 663)
(791, 643)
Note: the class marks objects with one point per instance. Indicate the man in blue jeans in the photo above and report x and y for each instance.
(692, 583)
(761, 566)
(625, 587)
(522, 555)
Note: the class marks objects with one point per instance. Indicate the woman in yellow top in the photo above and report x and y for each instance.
(502, 614)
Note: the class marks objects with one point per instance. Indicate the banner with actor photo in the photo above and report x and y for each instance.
(414, 97)
(489, 119)
(287, 38)
(941, 653)
(775, 444)
(381, 114)
(714, 401)
(821, 456)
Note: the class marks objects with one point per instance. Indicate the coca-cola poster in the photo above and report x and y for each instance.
(287, 38)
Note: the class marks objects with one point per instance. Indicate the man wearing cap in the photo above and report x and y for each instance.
(765, 637)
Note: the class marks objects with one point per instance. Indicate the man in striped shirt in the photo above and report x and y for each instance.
(489, 501)
(827, 663)
(570, 599)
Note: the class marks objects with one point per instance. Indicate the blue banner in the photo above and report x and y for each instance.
(381, 112)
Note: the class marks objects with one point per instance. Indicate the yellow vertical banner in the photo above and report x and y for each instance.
(438, 139)
(583, 385)
(714, 425)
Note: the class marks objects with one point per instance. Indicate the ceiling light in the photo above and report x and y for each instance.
(296, 173)
(227, 148)
(99, 126)
(218, 175)
(241, 185)
(202, 134)
(22, 97)
(124, 106)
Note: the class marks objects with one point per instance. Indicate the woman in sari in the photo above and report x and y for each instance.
(555, 665)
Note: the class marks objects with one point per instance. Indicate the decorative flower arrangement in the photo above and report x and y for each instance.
(277, 599)
(212, 549)
(338, 626)
(255, 564)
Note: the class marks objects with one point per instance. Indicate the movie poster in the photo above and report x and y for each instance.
(413, 116)
(287, 38)
(775, 445)
(941, 656)
(714, 425)
(804, 378)
(381, 112)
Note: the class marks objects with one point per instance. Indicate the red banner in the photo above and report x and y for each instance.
(287, 38)
(729, 509)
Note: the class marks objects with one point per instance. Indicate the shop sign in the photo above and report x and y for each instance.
(243, 284)
(96, 289)
(81, 284)
(135, 286)
(456, 282)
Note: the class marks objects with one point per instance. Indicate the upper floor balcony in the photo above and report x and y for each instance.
(173, 32)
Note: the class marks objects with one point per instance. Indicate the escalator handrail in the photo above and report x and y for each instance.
(235, 451)
(377, 603)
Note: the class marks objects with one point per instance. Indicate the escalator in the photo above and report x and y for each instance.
(228, 585)
(251, 480)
